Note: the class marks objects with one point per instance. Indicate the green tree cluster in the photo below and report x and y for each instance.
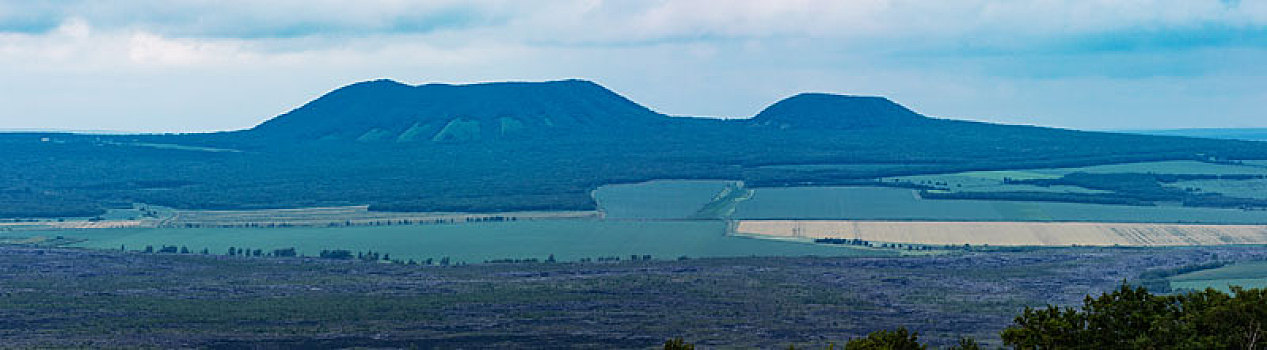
(1133, 318)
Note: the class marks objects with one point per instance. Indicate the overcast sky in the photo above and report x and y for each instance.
(183, 66)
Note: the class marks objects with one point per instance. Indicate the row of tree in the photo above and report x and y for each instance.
(372, 256)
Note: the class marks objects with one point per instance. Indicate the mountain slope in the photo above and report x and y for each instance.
(532, 146)
(389, 111)
(814, 110)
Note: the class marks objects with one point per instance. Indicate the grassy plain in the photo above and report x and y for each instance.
(144, 216)
(1011, 233)
(340, 216)
(1256, 188)
(1251, 274)
(993, 181)
(1166, 167)
(675, 199)
(567, 240)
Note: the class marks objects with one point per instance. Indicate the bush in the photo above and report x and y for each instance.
(900, 339)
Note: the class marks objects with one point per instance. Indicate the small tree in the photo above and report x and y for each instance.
(678, 344)
(901, 339)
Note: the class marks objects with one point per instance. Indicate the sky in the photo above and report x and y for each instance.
(194, 66)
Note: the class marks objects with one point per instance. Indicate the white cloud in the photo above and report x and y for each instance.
(215, 65)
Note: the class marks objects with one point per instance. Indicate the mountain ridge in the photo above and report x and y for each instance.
(535, 146)
(832, 111)
(386, 110)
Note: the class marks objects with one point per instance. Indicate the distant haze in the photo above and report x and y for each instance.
(162, 66)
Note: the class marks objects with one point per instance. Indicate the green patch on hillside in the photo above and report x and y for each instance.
(458, 130)
(417, 132)
(375, 135)
(508, 126)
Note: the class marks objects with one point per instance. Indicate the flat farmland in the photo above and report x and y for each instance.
(1009, 233)
(340, 216)
(1251, 274)
(567, 240)
(897, 204)
(1164, 167)
(665, 199)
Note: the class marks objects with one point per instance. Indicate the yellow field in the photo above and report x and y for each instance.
(1008, 233)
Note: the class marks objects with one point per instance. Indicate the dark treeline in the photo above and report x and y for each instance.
(351, 223)
(1138, 188)
(374, 256)
(863, 243)
(1036, 196)
(1157, 280)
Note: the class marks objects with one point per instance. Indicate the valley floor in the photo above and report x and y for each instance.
(143, 216)
(1008, 233)
(64, 297)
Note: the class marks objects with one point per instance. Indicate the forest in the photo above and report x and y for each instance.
(542, 163)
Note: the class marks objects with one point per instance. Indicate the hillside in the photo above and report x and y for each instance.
(836, 112)
(389, 111)
(529, 146)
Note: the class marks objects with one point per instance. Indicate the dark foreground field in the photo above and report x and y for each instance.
(90, 298)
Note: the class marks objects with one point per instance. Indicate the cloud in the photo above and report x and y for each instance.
(619, 20)
(251, 19)
(239, 61)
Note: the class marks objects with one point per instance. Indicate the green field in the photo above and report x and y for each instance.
(993, 181)
(1236, 188)
(875, 203)
(657, 199)
(568, 240)
(1166, 167)
(1247, 274)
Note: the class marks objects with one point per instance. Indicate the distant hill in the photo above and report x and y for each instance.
(836, 112)
(389, 111)
(1248, 134)
(530, 146)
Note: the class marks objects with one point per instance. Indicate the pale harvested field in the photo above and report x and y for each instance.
(1009, 233)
